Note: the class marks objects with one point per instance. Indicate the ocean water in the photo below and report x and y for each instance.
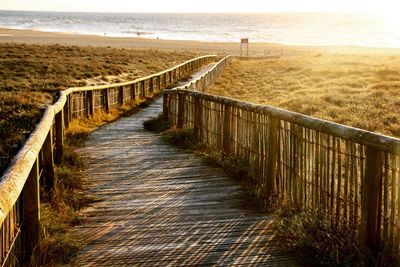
(284, 28)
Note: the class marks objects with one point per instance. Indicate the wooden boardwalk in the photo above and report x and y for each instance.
(158, 205)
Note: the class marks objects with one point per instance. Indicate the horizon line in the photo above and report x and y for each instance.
(188, 12)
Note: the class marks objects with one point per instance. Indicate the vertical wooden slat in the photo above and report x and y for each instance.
(346, 185)
(197, 119)
(339, 184)
(31, 212)
(395, 197)
(332, 177)
(226, 130)
(273, 131)
(181, 111)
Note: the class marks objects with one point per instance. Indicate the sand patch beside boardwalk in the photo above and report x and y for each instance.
(38, 37)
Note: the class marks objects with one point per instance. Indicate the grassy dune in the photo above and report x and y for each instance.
(357, 90)
(30, 74)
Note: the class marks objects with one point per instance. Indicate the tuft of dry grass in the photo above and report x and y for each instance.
(60, 210)
(312, 233)
(357, 90)
(30, 75)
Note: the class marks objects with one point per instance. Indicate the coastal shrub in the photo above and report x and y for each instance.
(311, 233)
(158, 124)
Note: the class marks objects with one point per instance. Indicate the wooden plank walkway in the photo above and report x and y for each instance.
(158, 205)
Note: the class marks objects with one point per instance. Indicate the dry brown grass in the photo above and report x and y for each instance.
(357, 90)
(29, 75)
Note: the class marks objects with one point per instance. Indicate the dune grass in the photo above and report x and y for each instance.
(30, 74)
(357, 90)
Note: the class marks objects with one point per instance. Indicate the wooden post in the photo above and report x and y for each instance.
(226, 130)
(174, 76)
(31, 213)
(165, 106)
(107, 99)
(71, 106)
(142, 84)
(272, 149)
(121, 95)
(90, 103)
(59, 136)
(370, 201)
(181, 111)
(48, 164)
(159, 83)
(197, 118)
(151, 85)
(133, 91)
(66, 112)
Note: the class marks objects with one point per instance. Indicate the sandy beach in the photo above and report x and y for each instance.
(39, 37)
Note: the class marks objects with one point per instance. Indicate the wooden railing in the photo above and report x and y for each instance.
(349, 174)
(33, 167)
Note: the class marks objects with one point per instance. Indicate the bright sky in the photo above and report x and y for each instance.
(369, 6)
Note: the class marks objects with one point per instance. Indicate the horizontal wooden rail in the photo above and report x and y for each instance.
(349, 174)
(34, 164)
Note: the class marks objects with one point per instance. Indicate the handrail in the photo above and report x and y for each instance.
(379, 141)
(23, 174)
(99, 87)
(208, 77)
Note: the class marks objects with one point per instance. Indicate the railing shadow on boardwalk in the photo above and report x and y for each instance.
(33, 166)
(158, 205)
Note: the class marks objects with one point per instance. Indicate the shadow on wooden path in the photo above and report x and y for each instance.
(158, 205)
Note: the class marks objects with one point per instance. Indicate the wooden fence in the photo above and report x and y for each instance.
(33, 167)
(350, 174)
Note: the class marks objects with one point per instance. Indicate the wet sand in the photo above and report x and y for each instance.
(39, 37)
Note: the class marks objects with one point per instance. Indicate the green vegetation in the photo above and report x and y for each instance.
(356, 90)
(30, 74)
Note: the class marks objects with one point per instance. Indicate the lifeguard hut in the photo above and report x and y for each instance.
(244, 46)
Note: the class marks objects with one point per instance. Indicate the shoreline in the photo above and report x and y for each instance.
(65, 38)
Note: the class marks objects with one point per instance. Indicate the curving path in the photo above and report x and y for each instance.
(158, 205)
